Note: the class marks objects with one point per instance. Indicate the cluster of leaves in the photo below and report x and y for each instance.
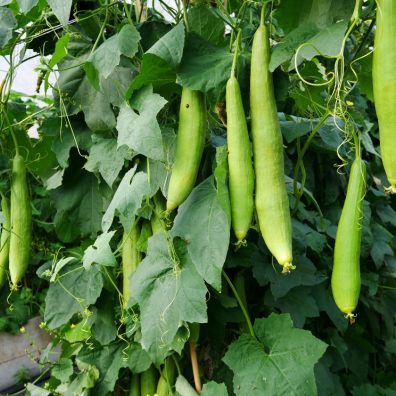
(103, 157)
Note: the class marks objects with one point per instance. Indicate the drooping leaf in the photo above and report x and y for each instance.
(7, 24)
(204, 22)
(203, 223)
(169, 291)
(26, 5)
(170, 46)
(60, 50)
(73, 290)
(107, 56)
(103, 327)
(153, 71)
(140, 130)
(75, 93)
(109, 360)
(204, 66)
(127, 199)
(100, 252)
(106, 158)
(80, 202)
(61, 9)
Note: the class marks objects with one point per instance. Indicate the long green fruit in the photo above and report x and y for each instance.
(148, 382)
(21, 221)
(4, 240)
(131, 258)
(272, 203)
(189, 147)
(134, 389)
(167, 378)
(384, 84)
(345, 279)
(241, 177)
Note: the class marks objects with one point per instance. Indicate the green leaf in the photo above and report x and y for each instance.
(103, 327)
(100, 252)
(381, 245)
(305, 275)
(202, 222)
(7, 25)
(138, 359)
(61, 9)
(26, 5)
(140, 130)
(60, 50)
(108, 360)
(214, 389)
(183, 387)
(279, 362)
(85, 380)
(73, 291)
(204, 67)
(323, 13)
(206, 24)
(65, 138)
(328, 383)
(76, 93)
(169, 292)
(326, 41)
(106, 158)
(307, 237)
(115, 87)
(372, 390)
(78, 333)
(62, 369)
(298, 303)
(170, 46)
(107, 56)
(33, 390)
(80, 202)
(153, 71)
(127, 199)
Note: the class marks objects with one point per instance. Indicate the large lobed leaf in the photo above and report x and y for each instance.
(279, 362)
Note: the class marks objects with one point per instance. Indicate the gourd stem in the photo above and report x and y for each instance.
(262, 15)
(234, 61)
(243, 309)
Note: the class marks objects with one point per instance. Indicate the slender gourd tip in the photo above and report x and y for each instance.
(287, 268)
(351, 317)
(240, 242)
(391, 189)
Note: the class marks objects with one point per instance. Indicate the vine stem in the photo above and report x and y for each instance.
(235, 59)
(102, 28)
(243, 309)
(195, 366)
(186, 24)
(262, 15)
